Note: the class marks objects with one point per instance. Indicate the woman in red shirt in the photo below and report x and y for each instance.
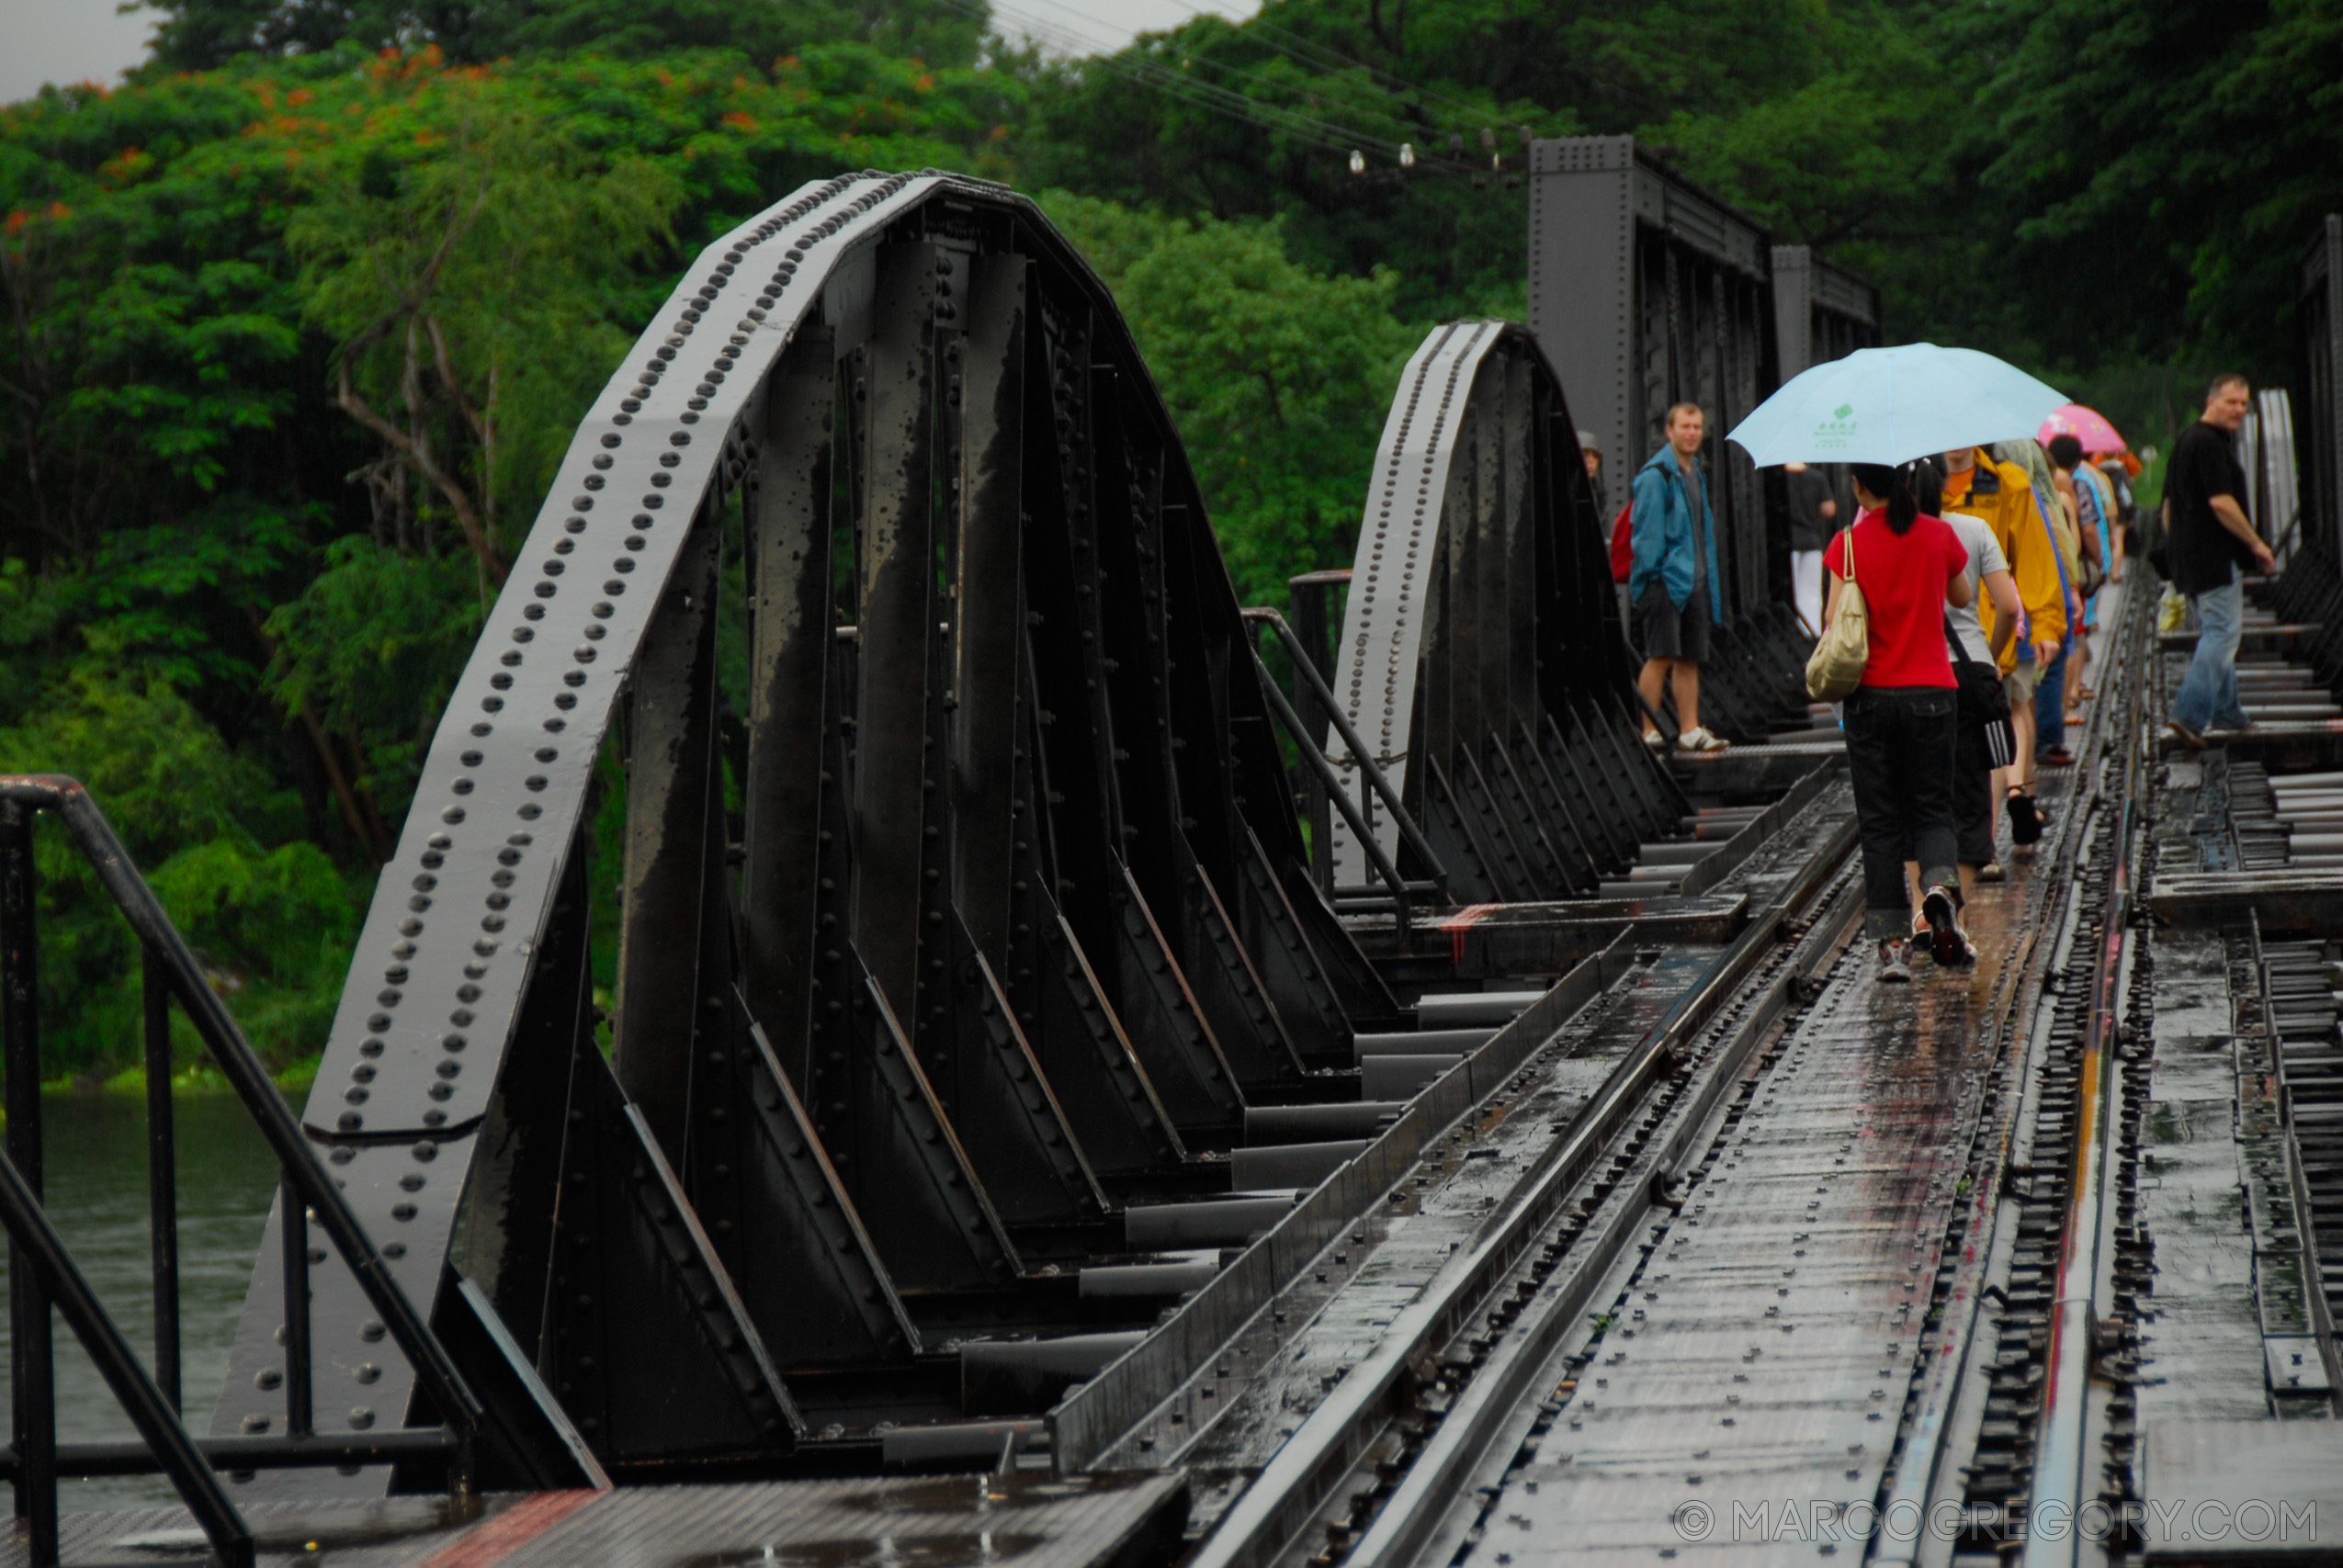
(1900, 722)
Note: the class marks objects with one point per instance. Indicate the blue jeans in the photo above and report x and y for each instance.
(2208, 696)
(2050, 702)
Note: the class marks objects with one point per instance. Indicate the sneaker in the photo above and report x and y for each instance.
(1915, 946)
(1702, 739)
(1991, 871)
(1948, 943)
(1656, 740)
(1895, 963)
(2188, 738)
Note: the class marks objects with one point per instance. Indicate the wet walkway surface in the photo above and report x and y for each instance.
(1769, 1343)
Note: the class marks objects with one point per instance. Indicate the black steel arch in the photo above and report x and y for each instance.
(1000, 918)
(1481, 656)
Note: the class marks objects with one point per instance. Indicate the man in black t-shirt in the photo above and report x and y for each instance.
(1812, 512)
(2210, 539)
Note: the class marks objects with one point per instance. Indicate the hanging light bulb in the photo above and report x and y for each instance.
(1358, 161)
(1407, 154)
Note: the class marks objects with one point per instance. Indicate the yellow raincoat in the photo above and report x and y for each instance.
(2000, 494)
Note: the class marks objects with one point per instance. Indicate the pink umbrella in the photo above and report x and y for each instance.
(2086, 425)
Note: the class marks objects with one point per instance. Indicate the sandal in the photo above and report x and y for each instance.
(2083, 695)
(2025, 818)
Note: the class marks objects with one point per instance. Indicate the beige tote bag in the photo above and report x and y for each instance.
(1836, 668)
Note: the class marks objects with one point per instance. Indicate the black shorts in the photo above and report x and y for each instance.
(1664, 632)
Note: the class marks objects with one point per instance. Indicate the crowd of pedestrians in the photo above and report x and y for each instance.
(1982, 571)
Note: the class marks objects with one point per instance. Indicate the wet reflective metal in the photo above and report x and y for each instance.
(1764, 1352)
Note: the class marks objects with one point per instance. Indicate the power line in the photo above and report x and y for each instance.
(1406, 128)
(1147, 71)
(1330, 58)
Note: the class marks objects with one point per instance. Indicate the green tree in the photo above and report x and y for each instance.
(271, 926)
(1277, 377)
(469, 285)
(200, 35)
(2167, 163)
(207, 563)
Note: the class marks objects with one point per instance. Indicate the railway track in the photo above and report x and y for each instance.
(1816, 1254)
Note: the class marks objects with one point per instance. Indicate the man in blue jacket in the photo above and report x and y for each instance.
(1673, 583)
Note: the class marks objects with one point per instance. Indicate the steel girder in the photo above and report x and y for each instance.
(1644, 291)
(1821, 312)
(1481, 656)
(2319, 316)
(1647, 291)
(989, 909)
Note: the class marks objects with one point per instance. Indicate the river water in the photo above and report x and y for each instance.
(96, 1155)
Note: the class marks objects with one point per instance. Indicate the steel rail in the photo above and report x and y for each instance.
(1412, 1516)
(2022, 1004)
(2060, 1481)
(1287, 1490)
(419, 1446)
(2298, 1183)
(1096, 1416)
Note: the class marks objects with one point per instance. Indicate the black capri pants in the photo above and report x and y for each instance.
(1901, 757)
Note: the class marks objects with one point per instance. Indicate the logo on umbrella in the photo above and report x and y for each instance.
(1835, 431)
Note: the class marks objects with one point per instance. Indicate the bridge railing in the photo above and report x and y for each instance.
(1329, 785)
(43, 1272)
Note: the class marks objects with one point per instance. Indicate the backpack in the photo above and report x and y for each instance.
(1623, 543)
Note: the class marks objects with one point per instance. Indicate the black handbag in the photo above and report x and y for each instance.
(1983, 701)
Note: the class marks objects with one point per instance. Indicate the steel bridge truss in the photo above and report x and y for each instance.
(2319, 316)
(1481, 659)
(983, 910)
(1647, 291)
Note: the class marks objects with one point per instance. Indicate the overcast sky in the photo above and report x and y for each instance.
(85, 40)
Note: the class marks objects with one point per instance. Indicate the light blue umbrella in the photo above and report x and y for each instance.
(1891, 405)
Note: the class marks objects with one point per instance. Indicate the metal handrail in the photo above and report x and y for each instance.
(35, 1241)
(171, 969)
(1367, 767)
(1317, 759)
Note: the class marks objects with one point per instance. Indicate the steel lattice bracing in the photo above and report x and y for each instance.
(1821, 312)
(1647, 291)
(1644, 291)
(2319, 313)
(1481, 656)
(991, 910)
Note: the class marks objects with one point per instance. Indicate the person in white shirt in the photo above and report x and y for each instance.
(1974, 758)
